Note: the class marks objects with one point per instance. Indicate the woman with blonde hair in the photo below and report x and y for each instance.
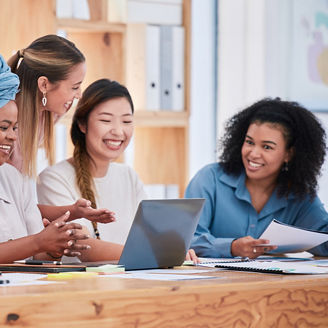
(21, 230)
(51, 70)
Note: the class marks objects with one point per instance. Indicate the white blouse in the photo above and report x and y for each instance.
(19, 214)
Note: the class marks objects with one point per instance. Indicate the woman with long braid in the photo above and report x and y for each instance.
(101, 130)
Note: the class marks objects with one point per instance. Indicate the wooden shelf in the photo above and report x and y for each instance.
(79, 25)
(161, 118)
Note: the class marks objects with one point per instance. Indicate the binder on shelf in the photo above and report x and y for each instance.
(155, 191)
(81, 9)
(177, 68)
(64, 8)
(78, 9)
(171, 191)
(117, 11)
(167, 12)
(166, 67)
(143, 66)
(172, 68)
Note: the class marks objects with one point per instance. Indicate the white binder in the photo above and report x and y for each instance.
(145, 11)
(152, 67)
(64, 8)
(154, 12)
(166, 67)
(172, 68)
(177, 68)
(81, 9)
(143, 67)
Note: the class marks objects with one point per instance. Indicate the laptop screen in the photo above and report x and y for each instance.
(161, 233)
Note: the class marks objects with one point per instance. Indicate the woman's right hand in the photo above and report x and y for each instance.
(250, 247)
(61, 238)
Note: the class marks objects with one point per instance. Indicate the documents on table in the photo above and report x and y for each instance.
(157, 276)
(274, 266)
(24, 279)
(292, 239)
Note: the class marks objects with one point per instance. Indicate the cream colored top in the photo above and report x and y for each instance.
(19, 214)
(120, 191)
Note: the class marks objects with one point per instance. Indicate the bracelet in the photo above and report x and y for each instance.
(55, 257)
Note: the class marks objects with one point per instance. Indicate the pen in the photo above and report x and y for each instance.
(38, 262)
(3, 282)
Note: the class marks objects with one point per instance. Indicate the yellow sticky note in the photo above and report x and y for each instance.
(71, 275)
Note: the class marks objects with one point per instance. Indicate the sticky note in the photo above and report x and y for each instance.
(71, 275)
(107, 268)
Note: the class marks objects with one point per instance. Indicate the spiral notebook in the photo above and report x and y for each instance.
(302, 267)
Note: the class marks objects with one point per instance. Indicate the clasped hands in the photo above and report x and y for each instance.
(250, 247)
(62, 237)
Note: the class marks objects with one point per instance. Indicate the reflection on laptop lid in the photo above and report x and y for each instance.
(161, 233)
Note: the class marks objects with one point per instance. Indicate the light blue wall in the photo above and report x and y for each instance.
(202, 132)
(258, 54)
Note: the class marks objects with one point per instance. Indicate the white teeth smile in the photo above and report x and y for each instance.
(252, 164)
(68, 104)
(113, 143)
(6, 148)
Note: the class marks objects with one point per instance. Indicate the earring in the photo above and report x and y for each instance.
(285, 167)
(44, 99)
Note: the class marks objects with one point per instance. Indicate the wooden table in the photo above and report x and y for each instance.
(234, 299)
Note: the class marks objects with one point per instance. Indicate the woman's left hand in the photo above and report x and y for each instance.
(82, 209)
(191, 256)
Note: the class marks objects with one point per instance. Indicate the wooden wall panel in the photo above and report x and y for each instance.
(103, 52)
(22, 21)
(160, 155)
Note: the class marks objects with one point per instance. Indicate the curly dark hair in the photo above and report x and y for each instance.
(302, 132)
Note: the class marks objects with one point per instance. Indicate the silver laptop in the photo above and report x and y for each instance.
(161, 233)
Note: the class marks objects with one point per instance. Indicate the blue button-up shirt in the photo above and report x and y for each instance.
(228, 213)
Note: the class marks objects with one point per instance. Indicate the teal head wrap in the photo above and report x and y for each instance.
(9, 83)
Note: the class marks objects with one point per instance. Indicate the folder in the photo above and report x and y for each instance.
(64, 8)
(48, 268)
(143, 67)
(177, 68)
(155, 12)
(172, 68)
(166, 67)
(145, 11)
(81, 9)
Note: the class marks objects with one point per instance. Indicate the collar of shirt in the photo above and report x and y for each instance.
(237, 182)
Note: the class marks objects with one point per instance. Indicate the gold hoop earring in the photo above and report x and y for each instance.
(44, 99)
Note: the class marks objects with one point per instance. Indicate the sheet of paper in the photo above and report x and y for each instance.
(23, 279)
(292, 239)
(30, 283)
(174, 271)
(156, 276)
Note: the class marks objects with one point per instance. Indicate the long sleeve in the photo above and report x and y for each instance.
(204, 243)
(313, 215)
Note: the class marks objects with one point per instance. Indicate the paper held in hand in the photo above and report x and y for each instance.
(290, 239)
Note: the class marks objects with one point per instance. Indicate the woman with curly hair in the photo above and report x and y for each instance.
(272, 153)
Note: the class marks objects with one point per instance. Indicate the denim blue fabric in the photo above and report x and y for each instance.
(228, 213)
